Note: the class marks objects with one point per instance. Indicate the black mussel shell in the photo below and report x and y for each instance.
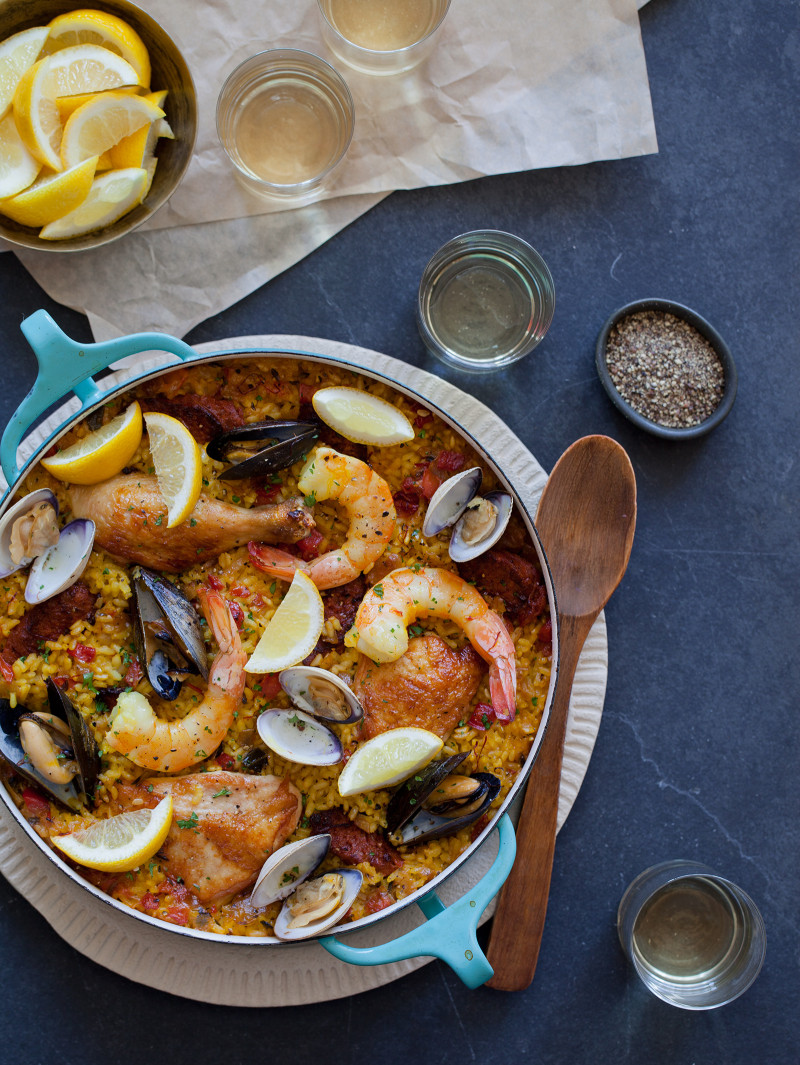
(262, 448)
(255, 760)
(428, 825)
(73, 794)
(84, 745)
(409, 797)
(167, 632)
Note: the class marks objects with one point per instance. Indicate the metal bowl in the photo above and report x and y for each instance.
(170, 72)
(707, 331)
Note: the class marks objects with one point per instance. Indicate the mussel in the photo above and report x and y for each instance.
(321, 693)
(437, 801)
(478, 521)
(56, 750)
(167, 633)
(262, 448)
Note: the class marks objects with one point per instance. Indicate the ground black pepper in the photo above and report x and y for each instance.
(665, 369)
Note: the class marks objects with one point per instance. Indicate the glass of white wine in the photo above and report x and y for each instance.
(695, 939)
(285, 118)
(485, 300)
(381, 36)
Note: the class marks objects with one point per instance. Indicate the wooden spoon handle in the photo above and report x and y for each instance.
(522, 904)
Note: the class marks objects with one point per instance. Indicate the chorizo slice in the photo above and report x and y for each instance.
(49, 620)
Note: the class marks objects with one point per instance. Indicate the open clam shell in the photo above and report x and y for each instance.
(167, 632)
(350, 887)
(262, 448)
(61, 565)
(298, 737)
(287, 868)
(321, 693)
(19, 510)
(450, 499)
(480, 526)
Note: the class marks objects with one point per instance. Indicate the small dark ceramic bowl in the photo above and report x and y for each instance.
(706, 330)
(169, 71)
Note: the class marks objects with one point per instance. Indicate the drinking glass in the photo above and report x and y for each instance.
(485, 300)
(381, 36)
(696, 940)
(285, 119)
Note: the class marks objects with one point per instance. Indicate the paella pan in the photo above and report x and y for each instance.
(275, 386)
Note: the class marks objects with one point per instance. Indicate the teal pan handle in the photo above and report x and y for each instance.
(65, 365)
(449, 932)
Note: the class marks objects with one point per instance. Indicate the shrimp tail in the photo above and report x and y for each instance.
(218, 615)
(278, 563)
(503, 689)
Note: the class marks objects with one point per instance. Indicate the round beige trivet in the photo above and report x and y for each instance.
(282, 975)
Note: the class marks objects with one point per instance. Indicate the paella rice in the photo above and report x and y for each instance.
(98, 652)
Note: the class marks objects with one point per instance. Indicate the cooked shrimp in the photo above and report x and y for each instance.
(366, 498)
(169, 746)
(380, 628)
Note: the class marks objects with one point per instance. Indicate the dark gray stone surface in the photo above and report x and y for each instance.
(697, 753)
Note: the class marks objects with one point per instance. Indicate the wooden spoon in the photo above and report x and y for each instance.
(585, 520)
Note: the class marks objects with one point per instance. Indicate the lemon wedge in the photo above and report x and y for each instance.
(68, 104)
(117, 844)
(138, 148)
(387, 759)
(37, 116)
(89, 68)
(178, 463)
(362, 417)
(111, 196)
(293, 630)
(99, 124)
(100, 454)
(18, 54)
(18, 168)
(87, 26)
(51, 196)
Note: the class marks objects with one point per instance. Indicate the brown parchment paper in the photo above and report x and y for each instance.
(513, 85)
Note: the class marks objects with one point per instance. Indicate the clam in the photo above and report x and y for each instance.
(298, 737)
(27, 529)
(55, 750)
(287, 868)
(449, 500)
(478, 521)
(167, 633)
(321, 693)
(481, 525)
(318, 904)
(62, 564)
(262, 448)
(438, 801)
